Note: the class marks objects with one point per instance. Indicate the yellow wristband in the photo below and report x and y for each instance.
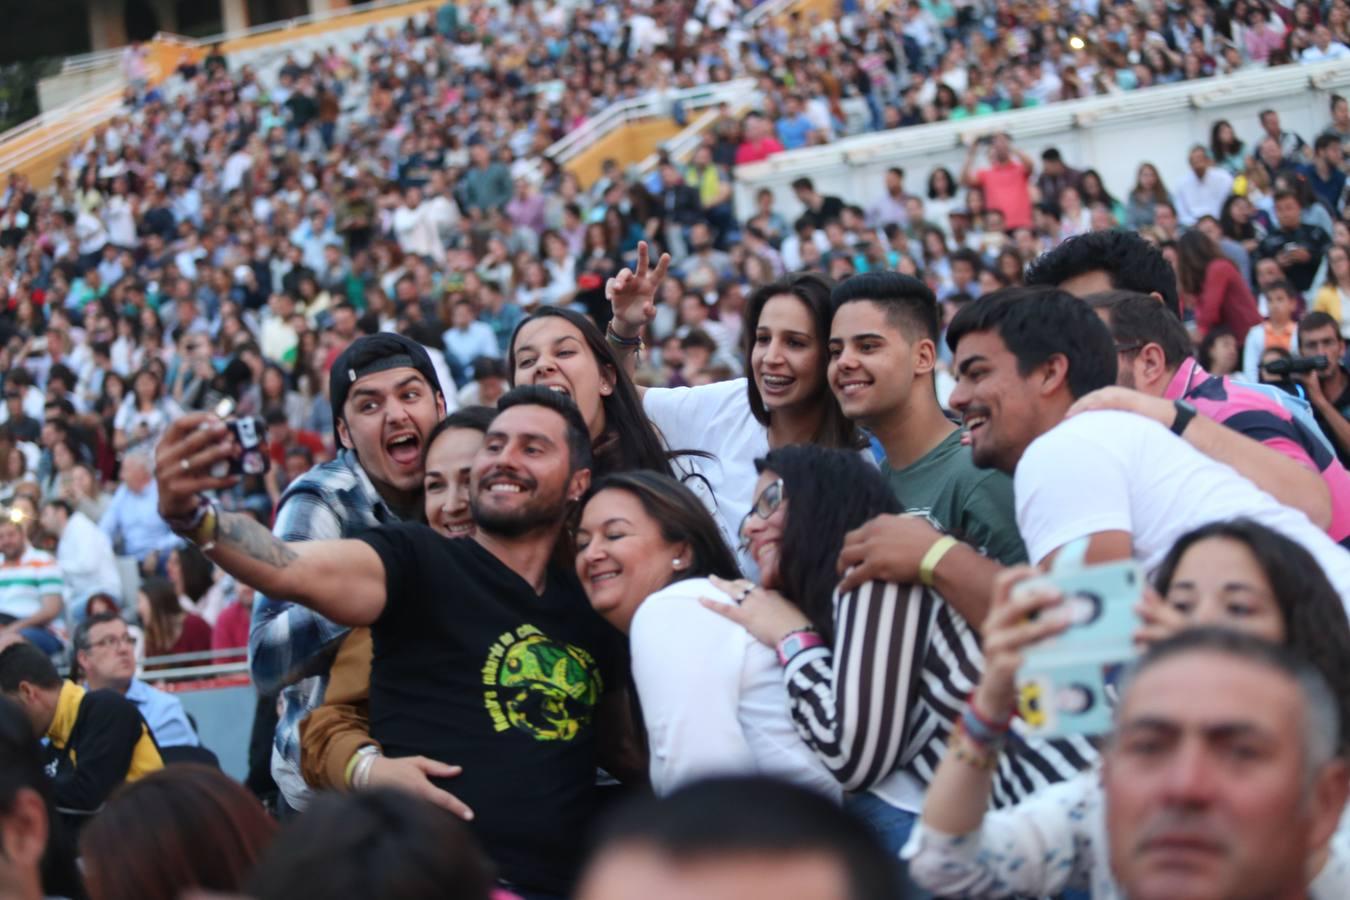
(351, 766)
(933, 557)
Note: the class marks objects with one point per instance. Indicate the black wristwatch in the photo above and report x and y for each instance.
(1185, 412)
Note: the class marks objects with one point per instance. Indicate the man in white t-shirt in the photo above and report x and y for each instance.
(1122, 480)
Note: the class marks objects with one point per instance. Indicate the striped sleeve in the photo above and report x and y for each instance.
(49, 580)
(851, 702)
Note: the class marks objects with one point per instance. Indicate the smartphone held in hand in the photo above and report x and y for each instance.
(1067, 683)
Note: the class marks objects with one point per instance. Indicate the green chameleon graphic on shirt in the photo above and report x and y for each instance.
(539, 686)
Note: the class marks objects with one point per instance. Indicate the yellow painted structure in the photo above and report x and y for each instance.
(37, 151)
(628, 144)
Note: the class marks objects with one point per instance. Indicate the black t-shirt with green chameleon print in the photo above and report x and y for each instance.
(475, 669)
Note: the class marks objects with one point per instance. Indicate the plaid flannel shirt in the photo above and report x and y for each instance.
(290, 647)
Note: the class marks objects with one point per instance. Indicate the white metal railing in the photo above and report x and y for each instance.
(198, 664)
(765, 10)
(97, 59)
(66, 123)
(307, 19)
(645, 106)
(85, 62)
(1066, 115)
(1112, 134)
(682, 146)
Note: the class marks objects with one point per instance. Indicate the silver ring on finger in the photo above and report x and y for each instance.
(184, 464)
(745, 592)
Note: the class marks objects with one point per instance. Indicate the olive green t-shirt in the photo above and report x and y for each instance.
(975, 505)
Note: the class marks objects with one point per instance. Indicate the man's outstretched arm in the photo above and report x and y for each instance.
(342, 580)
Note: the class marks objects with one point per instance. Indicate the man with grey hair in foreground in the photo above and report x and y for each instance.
(1222, 779)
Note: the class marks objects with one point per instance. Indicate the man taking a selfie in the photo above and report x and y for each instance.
(386, 400)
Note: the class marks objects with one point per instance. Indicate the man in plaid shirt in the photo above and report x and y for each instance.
(386, 399)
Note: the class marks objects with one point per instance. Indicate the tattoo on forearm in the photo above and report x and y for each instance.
(245, 535)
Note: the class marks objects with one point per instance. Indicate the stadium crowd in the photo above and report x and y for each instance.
(738, 508)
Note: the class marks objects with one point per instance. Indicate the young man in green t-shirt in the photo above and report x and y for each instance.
(883, 350)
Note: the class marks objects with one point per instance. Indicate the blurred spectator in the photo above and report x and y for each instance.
(1279, 331)
(759, 143)
(1005, 181)
(183, 830)
(1212, 288)
(378, 843)
(105, 652)
(132, 520)
(84, 554)
(1324, 173)
(39, 859)
(231, 629)
(1225, 148)
(490, 381)
(890, 209)
(1340, 119)
(31, 588)
(95, 740)
(1202, 190)
(1328, 388)
(1055, 176)
(820, 209)
(1296, 246)
(1333, 298)
(739, 837)
(168, 629)
(1291, 146)
(1323, 48)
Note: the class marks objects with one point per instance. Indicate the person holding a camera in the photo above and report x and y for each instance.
(1328, 385)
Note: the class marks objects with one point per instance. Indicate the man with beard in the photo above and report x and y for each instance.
(485, 655)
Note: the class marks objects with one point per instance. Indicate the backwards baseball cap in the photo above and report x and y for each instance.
(370, 354)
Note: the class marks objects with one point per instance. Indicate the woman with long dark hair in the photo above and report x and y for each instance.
(874, 674)
(561, 349)
(145, 412)
(169, 629)
(1236, 574)
(1212, 286)
(784, 399)
(1093, 191)
(710, 695)
(1239, 222)
(1147, 193)
(1225, 148)
(275, 392)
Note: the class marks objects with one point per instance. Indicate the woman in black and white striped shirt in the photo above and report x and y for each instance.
(878, 676)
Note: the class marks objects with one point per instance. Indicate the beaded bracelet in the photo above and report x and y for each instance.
(985, 761)
(615, 338)
(978, 730)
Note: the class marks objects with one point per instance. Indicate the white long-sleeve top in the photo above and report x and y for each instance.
(712, 696)
(1053, 841)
